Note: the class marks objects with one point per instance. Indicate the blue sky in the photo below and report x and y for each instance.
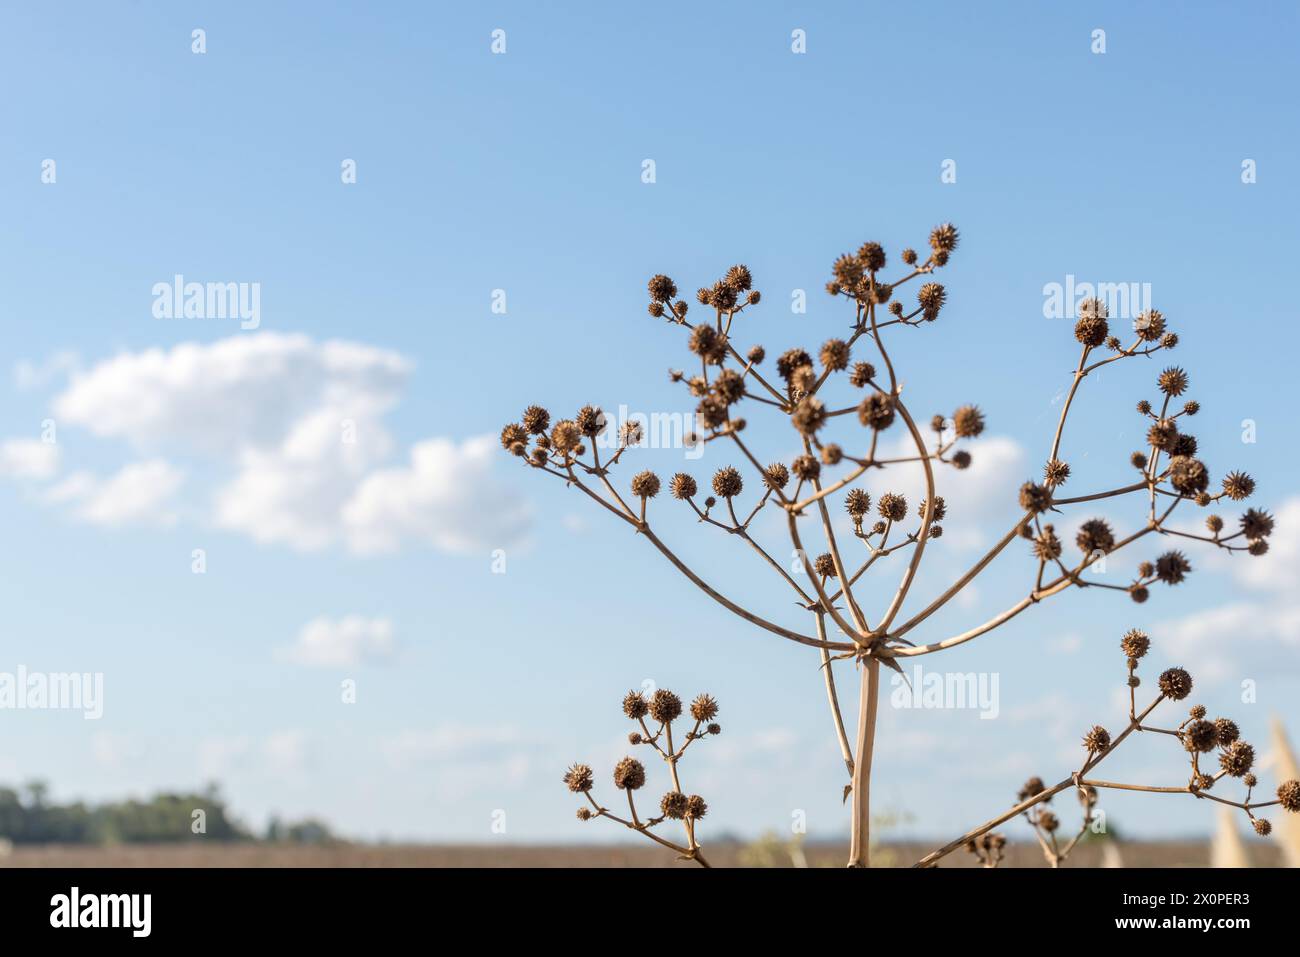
(522, 172)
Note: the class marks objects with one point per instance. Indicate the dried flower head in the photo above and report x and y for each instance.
(1200, 736)
(739, 278)
(1172, 567)
(1262, 826)
(629, 774)
(806, 467)
(1135, 644)
(1047, 546)
(673, 805)
(683, 486)
(1095, 536)
(1175, 684)
(1048, 821)
(1173, 381)
(727, 482)
(584, 814)
(1256, 524)
(590, 421)
(1035, 498)
(876, 411)
(1237, 758)
(825, 565)
(943, 238)
(661, 288)
(579, 778)
(892, 506)
(704, 708)
(1097, 738)
(665, 706)
(1055, 473)
(940, 508)
(695, 807)
(1288, 795)
(857, 503)
(809, 415)
(1227, 731)
(635, 705)
(968, 421)
(862, 374)
(835, 355)
(1238, 486)
(645, 484)
(1031, 788)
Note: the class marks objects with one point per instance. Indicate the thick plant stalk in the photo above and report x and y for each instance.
(859, 845)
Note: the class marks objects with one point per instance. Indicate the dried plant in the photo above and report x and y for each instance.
(1199, 738)
(663, 708)
(1168, 474)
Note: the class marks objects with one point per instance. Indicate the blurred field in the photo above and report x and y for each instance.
(1165, 854)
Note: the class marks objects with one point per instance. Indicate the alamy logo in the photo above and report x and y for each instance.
(179, 299)
(75, 909)
(1124, 300)
(53, 691)
(947, 690)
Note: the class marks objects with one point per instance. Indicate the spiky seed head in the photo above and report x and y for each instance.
(931, 297)
(714, 728)
(961, 459)
(1172, 381)
(1237, 758)
(968, 421)
(584, 814)
(1188, 476)
(1175, 683)
(825, 565)
(1172, 567)
(1149, 325)
(723, 296)
(909, 256)
(943, 238)
(1238, 486)
(1055, 473)
(579, 778)
(1288, 793)
(665, 706)
(1091, 331)
(1200, 736)
(892, 506)
(776, 475)
(832, 454)
(757, 354)
(590, 420)
(645, 484)
(536, 419)
(512, 435)
(629, 774)
(696, 807)
(1048, 821)
(739, 278)
(656, 309)
(809, 415)
(835, 355)
(1184, 445)
(1197, 711)
(1250, 780)
(1095, 535)
(1138, 460)
(1135, 644)
(1032, 788)
(661, 288)
(680, 307)
(704, 708)
(1258, 547)
(1162, 435)
(1227, 731)
(1139, 593)
(1097, 739)
(806, 467)
(872, 256)
(683, 486)
(862, 374)
(566, 436)
(940, 508)
(635, 705)
(1035, 498)
(1256, 524)
(1214, 523)
(727, 482)
(673, 805)
(876, 411)
(1262, 826)
(1047, 546)
(790, 360)
(1144, 407)
(857, 503)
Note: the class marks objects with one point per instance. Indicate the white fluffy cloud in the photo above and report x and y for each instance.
(138, 494)
(444, 498)
(342, 643)
(298, 426)
(28, 459)
(1262, 634)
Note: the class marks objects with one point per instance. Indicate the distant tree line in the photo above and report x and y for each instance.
(27, 816)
